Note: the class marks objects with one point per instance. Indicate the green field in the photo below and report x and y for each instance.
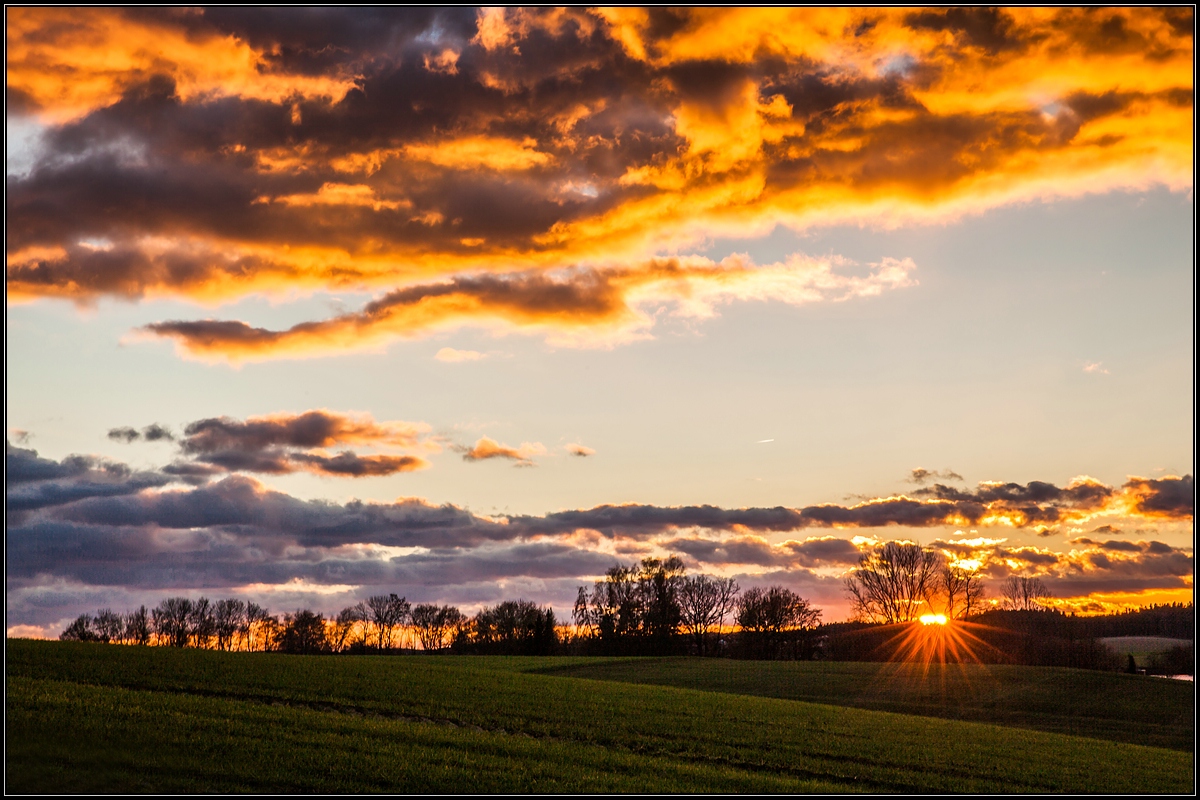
(1102, 705)
(96, 718)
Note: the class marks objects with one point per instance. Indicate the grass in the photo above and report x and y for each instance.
(1102, 705)
(93, 718)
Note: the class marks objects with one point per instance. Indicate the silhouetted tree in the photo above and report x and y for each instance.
(304, 634)
(893, 582)
(170, 620)
(227, 620)
(633, 609)
(108, 626)
(962, 590)
(704, 602)
(201, 625)
(614, 609)
(435, 625)
(764, 615)
(255, 628)
(1023, 594)
(80, 630)
(658, 582)
(268, 632)
(515, 628)
(387, 611)
(342, 635)
(137, 627)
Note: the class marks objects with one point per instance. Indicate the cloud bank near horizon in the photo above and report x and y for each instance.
(84, 527)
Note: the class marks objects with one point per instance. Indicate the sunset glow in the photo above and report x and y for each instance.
(474, 304)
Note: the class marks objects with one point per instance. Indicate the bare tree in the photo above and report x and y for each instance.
(387, 611)
(774, 610)
(1023, 594)
(893, 582)
(399, 614)
(80, 630)
(170, 620)
(704, 602)
(269, 632)
(254, 627)
(614, 609)
(137, 627)
(227, 619)
(342, 635)
(201, 625)
(963, 590)
(108, 625)
(765, 614)
(434, 623)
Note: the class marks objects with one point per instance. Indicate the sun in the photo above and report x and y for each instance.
(933, 619)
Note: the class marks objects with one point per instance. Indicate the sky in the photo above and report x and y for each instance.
(472, 305)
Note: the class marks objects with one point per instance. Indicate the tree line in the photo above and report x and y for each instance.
(379, 623)
(655, 608)
(651, 608)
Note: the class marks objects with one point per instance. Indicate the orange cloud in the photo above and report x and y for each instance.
(222, 154)
(480, 151)
(1115, 602)
(67, 62)
(583, 307)
(487, 448)
(340, 194)
(580, 450)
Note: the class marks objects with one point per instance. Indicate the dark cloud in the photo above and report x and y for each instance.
(1170, 497)
(157, 433)
(990, 29)
(732, 550)
(22, 465)
(33, 482)
(191, 471)
(318, 428)
(124, 435)
(1032, 504)
(280, 444)
(351, 465)
(1122, 546)
(87, 523)
(152, 433)
(643, 521)
(824, 551)
(921, 475)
